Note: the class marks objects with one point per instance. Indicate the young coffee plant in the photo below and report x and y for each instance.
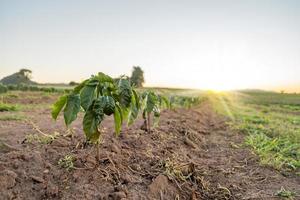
(152, 103)
(99, 96)
(184, 101)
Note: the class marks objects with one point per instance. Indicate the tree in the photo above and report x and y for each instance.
(137, 76)
(73, 83)
(26, 73)
(23, 76)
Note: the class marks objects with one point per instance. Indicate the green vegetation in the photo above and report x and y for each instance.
(271, 122)
(22, 81)
(42, 139)
(3, 88)
(12, 117)
(21, 77)
(73, 83)
(137, 77)
(99, 96)
(34, 88)
(185, 101)
(285, 193)
(7, 107)
(67, 162)
(152, 103)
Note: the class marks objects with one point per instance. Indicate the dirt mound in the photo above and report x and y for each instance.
(189, 156)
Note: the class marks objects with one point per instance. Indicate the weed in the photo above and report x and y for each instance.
(175, 170)
(42, 139)
(7, 107)
(12, 117)
(285, 193)
(67, 162)
(268, 120)
(278, 152)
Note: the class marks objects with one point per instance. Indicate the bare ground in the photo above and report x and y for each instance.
(191, 155)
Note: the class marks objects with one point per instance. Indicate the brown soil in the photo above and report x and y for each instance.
(191, 155)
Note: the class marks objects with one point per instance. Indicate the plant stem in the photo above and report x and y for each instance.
(148, 123)
(98, 151)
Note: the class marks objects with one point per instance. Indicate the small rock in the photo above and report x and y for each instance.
(51, 151)
(115, 148)
(78, 163)
(77, 175)
(52, 190)
(159, 184)
(60, 143)
(121, 188)
(25, 157)
(16, 164)
(7, 179)
(91, 159)
(190, 143)
(125, 178)
(37, 179)
(48, 165)
(36, 157)
(118, 195)
(139, 132)
(46, 171)
(2, 166)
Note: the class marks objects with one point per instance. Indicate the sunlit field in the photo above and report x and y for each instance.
(149, 100)
(270, 121)
(264, 123)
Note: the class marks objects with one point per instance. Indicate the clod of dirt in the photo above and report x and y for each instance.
(118, 195)
(7, 179)
(159, 184)
(60, 143)
(121, 188)
(37, 179)
(91, 160)
(189, 142)
(115, 148)
(76, 175)
(5, 148)
(125, 178)
(52, 190)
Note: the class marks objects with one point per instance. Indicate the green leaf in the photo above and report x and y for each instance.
(118, 119)
(93, 82)
(109, 104)
(133, 114)
(156, 112)
(72, 108)
(87, 95)
(164, 102)
(151, 102)
(92, 119)
(58, 106)
(134, 109)
(136, 99)
(125, 92)
(104, 78)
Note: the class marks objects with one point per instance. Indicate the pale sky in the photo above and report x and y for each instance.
(196, 44)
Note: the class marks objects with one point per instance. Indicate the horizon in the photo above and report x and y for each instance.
(214, 45)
